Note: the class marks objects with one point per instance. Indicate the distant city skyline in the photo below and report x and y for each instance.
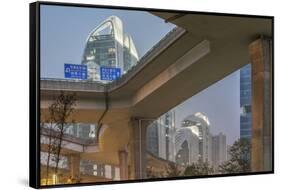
(220, 102)
(63, 37)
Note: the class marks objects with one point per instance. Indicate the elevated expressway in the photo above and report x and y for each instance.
(201, 51)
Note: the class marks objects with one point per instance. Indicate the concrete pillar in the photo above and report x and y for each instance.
(139, 141)
(123, 164)
(74, 167)
(261, 59)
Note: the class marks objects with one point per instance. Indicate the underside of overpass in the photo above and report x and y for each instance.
(201, 51)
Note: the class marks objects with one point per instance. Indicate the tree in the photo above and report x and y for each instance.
(56, 124)
(50, 141)
(151, 174)
(240, 158)
(173, 170)
(199, 168)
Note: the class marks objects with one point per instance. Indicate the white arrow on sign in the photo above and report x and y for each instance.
(67, 70)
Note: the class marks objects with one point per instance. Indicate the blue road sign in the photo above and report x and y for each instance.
(75, 71)
(110, 73)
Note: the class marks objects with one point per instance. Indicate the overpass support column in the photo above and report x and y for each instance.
(261, 60)
(74, 167)
(139, 141)
(123, 164)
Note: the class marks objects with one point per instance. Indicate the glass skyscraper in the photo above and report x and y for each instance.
(108, 46)
(219, 150)
(199, 124)
(245, 102)
(160, 136)
(187, 145)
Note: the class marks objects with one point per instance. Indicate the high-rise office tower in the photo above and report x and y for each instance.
(187, 145)
(201, 122)
(160, 136)
(108, 46)
(219, 149)
(245, 102)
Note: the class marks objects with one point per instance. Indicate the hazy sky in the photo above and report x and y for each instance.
(220, 103)
(63, 36)
(64, 31)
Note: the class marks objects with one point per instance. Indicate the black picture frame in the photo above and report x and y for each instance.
(34, 92)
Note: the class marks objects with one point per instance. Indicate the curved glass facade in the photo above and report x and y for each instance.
(108, 46)
(187, 145)
(200, 125)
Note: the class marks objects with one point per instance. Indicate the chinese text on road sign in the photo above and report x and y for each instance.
(75, 71)
(110, 73)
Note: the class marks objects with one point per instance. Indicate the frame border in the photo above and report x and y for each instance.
(34, 93)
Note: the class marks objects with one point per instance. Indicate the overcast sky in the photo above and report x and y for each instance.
(220, 103)
(63, 35)
(64, 31)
